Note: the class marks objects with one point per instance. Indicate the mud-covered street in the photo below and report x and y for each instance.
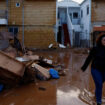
(76, 88)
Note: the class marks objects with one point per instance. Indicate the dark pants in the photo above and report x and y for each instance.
(99, 78)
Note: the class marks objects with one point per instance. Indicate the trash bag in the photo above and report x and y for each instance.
(54, 74)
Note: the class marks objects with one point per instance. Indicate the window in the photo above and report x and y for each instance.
(87, 9)
(14, 30)
(81, 13)
(17, 4)
(75, 15)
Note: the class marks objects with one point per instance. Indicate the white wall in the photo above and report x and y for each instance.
(77, 28)
(3, 21)
(71, 11)
(85, 20)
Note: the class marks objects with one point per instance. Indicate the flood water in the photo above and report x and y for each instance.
(76, 88)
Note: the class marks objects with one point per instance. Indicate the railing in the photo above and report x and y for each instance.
(3, 14)
(70, 28)
(76, 21)
(62, 34)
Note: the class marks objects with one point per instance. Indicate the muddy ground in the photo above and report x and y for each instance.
(76, 88)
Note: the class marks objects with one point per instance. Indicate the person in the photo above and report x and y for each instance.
(97, 56)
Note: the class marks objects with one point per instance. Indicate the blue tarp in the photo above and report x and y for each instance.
(54, 74)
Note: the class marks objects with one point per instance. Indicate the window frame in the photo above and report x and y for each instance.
(87, 10)
(81, 13)
(74, 13)
(17, 4)
(13, 30)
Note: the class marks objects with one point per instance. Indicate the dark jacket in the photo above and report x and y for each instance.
(97, 56)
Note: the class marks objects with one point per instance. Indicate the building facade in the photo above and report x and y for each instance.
(97, 19)
(69, 21)
(33, 22)
(85, 22)
(78, 19)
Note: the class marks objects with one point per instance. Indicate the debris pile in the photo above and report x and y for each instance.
(21, 70)
(25, 69)
(19, 66)
(56, 46)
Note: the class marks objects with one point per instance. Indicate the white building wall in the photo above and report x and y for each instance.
(62, 8)
(77, 28)
(81, 25)
(74, 10)
(85, 20)
(62, 15)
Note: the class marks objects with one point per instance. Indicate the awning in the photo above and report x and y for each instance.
(101, 28)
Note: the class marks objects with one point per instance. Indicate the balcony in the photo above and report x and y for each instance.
(76, 21)
(3, 17)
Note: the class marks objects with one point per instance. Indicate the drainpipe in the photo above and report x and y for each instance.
(56, 27)
(90, 45)
(7, 11)
(70, 35)
(23, 24)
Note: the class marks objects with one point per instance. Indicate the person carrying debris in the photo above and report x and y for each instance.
(97, 56)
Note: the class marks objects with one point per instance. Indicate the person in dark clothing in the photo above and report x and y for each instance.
(97, 56)
(17, 44)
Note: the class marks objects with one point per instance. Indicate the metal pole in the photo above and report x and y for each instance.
(56, 27)
(90, 6)
(7, 11)
(23, 24)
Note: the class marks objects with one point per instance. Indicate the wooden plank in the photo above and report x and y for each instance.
(42, 70)
(31, 57)
(11, 65)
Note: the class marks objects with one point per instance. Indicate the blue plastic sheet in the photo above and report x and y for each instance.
(54, 74)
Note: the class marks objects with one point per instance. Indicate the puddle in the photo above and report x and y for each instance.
(76, 88)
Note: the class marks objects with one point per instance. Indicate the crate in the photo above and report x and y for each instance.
(11, 70)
